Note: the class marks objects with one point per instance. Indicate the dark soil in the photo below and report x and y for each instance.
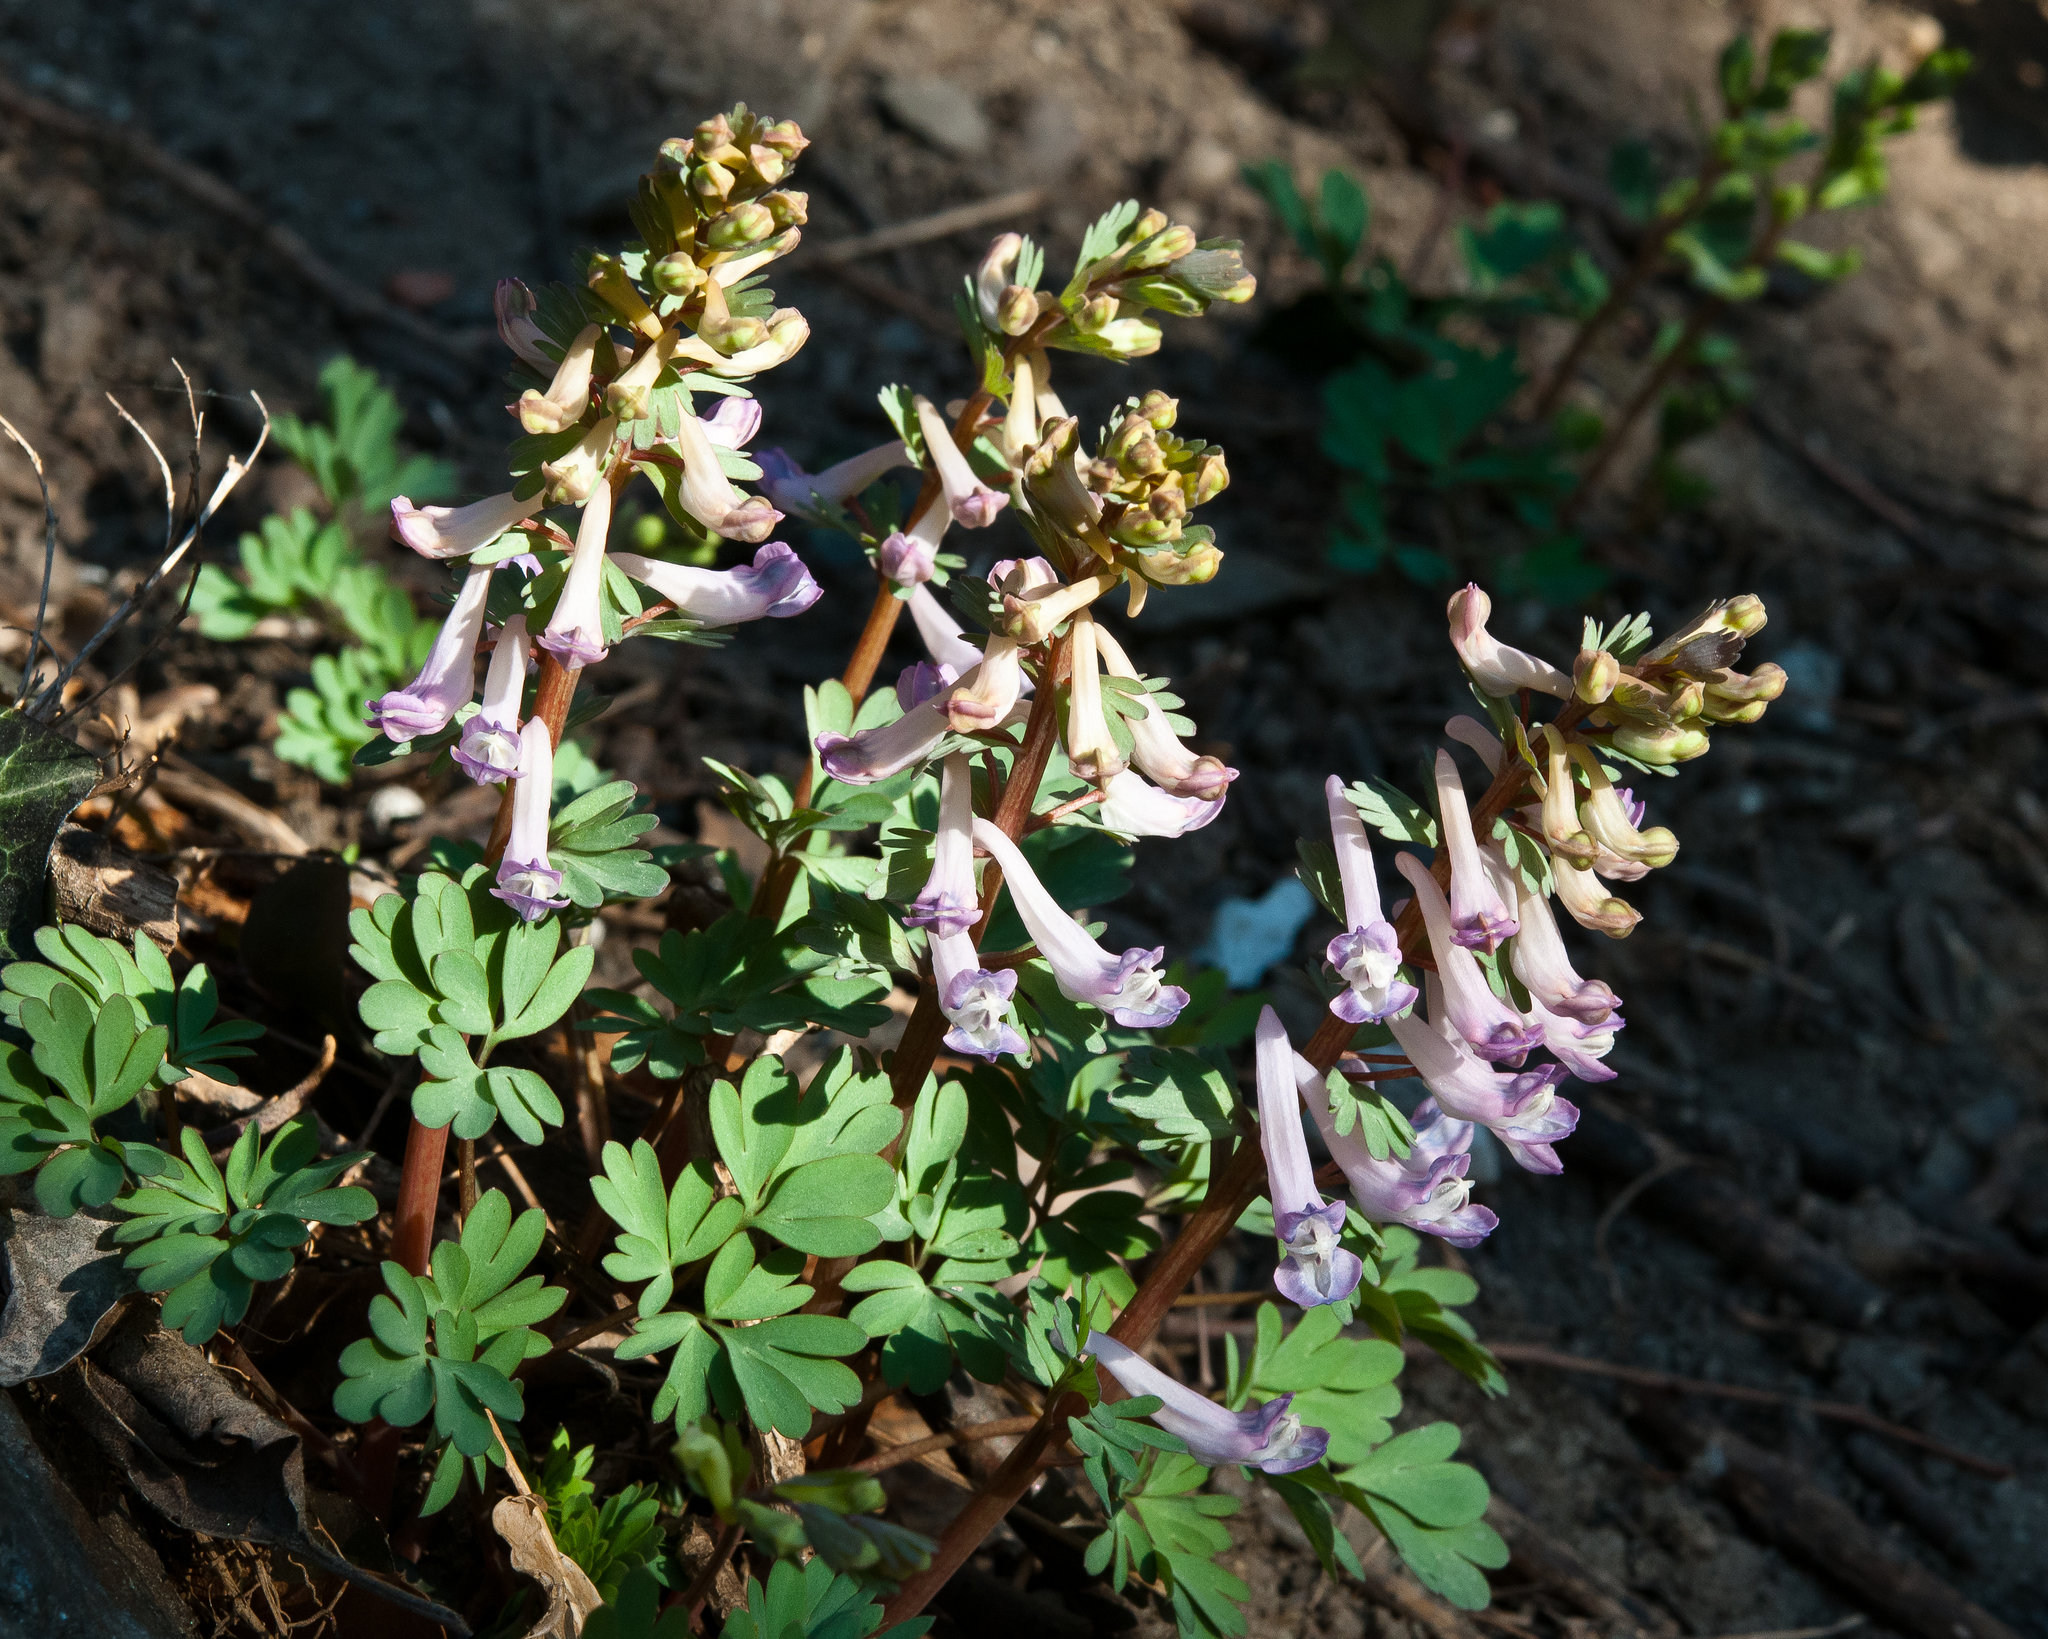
(1837, 994)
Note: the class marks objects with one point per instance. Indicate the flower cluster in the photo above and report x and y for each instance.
(617, 372)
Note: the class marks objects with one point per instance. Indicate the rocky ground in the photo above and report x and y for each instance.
(1835, 1000)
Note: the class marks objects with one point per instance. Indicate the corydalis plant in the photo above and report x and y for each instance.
(982, 1196)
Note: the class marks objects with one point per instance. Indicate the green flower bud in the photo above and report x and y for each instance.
(1164, 247)
(1727, 711)
(1095, 315)
(1594, 675)
(1016, 310)
(791, 209)
(1659, 746)
(732, 335)
(742, 225)
(1766, 683)
(768, 165)
(1161, 409)
(1150, 223)
(676, 274)
(714, 139)
(1191, 568)
(711, 183)
(1212, 477)
(1168, 295)
(786, 138)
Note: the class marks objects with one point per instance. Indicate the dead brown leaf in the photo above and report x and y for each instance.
(523, 1522)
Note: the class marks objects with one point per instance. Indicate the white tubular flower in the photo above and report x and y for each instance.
(1496, 668)
(1520, 1108)
(1576, 1044)
(1610, 823)
(428, 703)
(1367, 955)
(775, 585)
(1560, 813)
(1020, 426)
(572, 476)
(1156, 750)
(1477, 738)
(975, 1001)
(1541, 962)
(1314, 1269)
(568, 395)
(972, 503)
(1134, 807)
(949, 902)
(1268, 1437)
(1091, 749)
(488, 747)
(708, 495)
(942, 635)
(794, 490)
(455, 532)
(1032, 613)
(1427, 1189)
(1128, 987)
(574, 633)
(876, 753)
(525, 880)
(1494, 1030)
(1479, 920)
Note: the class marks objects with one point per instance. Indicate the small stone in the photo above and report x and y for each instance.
(942, 112)
(393, 805)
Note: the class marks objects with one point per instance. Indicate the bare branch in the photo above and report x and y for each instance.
(35, 642)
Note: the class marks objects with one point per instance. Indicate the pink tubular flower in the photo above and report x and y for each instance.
(488, 748)
(794, 490)
(1367, 956)
(921, 681)
(972, 503)
(909, 557)
(574, 633)
(1313, 1267)
(1496, 668)
(1128, 987)
(1479, 920)
(1493, 1029)
(943, 636)
(1426, 1189)
(949, 902)
(733, 423)
(889, 748)
(1521, 1109)
(1576, 1044)
(525, 880)
(428, 703)
(1268, 1437)
(1156, 751)
(708, 495)
(1541, 962)
(513, 305)
(455, 532)
(1133, 807)
(776, 585)
(1091, 749)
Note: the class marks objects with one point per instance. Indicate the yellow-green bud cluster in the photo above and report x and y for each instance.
(1149, 479)
(1659, 710)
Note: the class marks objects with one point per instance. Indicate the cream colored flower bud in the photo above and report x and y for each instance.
(568, 395)
(1594, 675)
